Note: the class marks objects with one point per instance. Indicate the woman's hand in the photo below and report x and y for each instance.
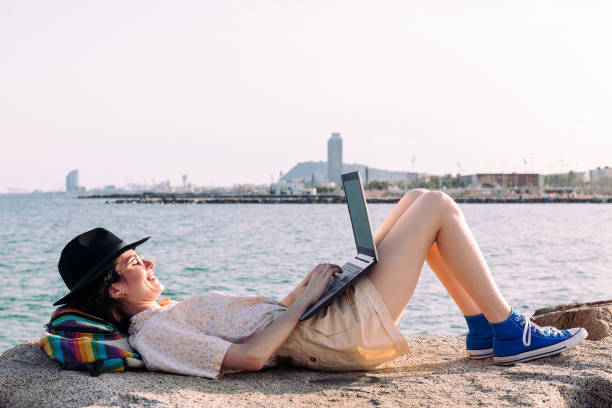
(313, 285)
(299, 290)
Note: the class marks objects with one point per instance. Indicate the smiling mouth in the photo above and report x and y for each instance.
(151, 277)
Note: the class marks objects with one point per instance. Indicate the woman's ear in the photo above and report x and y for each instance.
(115, 291)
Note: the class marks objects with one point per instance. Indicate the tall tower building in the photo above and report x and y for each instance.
(72, 181)
(334, 158)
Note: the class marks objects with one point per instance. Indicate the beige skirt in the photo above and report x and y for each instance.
(355, 332)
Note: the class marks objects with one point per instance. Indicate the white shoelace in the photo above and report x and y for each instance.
(530, 327)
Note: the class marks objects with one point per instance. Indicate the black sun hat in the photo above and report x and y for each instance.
(88, 255)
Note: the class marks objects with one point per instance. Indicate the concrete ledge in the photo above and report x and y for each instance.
(434, 374)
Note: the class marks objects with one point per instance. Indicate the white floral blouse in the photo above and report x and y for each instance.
(192, 336)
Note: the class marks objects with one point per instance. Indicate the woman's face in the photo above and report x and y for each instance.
(137, 284)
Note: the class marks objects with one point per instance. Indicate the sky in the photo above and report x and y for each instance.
(236, 91)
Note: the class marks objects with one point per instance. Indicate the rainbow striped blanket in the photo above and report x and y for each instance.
(79, 341)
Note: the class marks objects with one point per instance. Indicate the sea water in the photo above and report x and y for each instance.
(539, 254)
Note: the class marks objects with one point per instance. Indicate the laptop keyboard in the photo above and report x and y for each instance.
(349, 270)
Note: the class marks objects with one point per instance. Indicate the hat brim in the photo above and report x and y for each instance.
(99, 268)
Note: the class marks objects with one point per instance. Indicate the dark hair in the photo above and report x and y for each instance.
(95, 299)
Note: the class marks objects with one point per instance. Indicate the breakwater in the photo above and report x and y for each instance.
(191, 198)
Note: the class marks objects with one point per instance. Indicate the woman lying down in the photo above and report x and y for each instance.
(212, 333)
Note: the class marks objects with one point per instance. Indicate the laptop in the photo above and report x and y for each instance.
(366, 256)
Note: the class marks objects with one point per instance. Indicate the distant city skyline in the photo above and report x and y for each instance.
(237, 91)
(72, 183)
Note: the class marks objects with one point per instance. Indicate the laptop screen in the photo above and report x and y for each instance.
(359, 214)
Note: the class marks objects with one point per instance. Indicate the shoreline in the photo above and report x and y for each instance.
(189, 198)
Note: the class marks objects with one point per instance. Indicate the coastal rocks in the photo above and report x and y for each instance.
(595, 317)
(436, 373)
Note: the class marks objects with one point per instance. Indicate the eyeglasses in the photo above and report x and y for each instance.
(138, 258)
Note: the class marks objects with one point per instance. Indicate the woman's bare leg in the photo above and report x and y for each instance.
(434, 259)
(434, 218)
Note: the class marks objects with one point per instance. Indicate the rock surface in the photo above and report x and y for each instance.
(434, 374)
(595, 317)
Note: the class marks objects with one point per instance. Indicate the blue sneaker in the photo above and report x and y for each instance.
(518, 339)
(479, 340)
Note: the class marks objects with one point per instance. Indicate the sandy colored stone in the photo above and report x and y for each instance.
(595, 317)
(436, 373)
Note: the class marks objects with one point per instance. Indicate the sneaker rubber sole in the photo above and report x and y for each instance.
(479, 354)
(543, 351)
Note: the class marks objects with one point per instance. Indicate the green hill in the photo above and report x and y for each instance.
(305, 171)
